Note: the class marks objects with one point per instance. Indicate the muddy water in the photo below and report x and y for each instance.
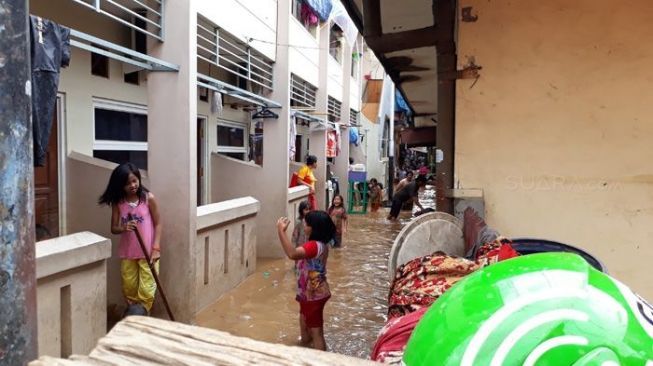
(263, 306)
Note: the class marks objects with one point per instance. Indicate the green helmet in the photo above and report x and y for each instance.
(539, 309)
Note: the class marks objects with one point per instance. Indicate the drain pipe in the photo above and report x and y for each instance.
(18, 338)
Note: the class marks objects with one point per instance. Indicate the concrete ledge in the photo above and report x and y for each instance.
(297, 193)
(238, 161)
(68, 252)
(221, 212)
(110, 166)
(464, 193)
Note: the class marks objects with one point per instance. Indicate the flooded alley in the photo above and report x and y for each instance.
(263, 307)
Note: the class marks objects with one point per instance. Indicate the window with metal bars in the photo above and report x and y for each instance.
(333, 109)
(148, 12)
(252, 70)
(353, 117)
(302, 93)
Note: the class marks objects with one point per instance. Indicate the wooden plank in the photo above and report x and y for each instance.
(149, 341)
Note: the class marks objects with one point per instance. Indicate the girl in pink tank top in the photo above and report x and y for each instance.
(128, 198)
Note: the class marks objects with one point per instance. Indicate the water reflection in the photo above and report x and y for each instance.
(263, 306)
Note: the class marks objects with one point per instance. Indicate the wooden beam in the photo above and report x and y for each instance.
(372, 18)
(392, 42)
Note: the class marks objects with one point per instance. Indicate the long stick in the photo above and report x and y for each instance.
(151, 265)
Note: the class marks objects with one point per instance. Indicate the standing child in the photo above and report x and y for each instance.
(312, 287)
(127, 196)
(298, 235)
(338, 214)
(378, 197)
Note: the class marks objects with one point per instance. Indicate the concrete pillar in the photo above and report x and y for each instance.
(342, 160)
(172, 168)
(18, 338)
(318, 135)
(275, 144)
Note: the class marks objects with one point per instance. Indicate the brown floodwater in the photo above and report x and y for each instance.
(263, 307)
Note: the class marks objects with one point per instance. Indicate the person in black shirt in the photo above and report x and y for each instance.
(410, 191)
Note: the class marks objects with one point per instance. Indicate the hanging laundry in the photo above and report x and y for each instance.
(338, 139)
(353, 136)
(292, 137)
(331, 144)
(50, 50)
(340, 16)
(321, 7)
(308, 15)
(216, 103)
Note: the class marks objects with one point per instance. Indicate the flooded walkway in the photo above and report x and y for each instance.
(263, 307)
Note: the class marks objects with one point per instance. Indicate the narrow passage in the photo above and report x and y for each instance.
(263, 307)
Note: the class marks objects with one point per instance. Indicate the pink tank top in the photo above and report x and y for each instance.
(129, 247)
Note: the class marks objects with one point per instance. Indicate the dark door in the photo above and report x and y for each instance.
(46, 189)
(298, 148)
(200, 161)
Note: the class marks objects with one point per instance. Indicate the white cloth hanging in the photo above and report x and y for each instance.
(292, 138)
(216, 103)
(340, 16)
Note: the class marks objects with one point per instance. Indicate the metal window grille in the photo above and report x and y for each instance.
(149, 12)
(219, 48)
(333, 109)
(302, 93)
(353, 117)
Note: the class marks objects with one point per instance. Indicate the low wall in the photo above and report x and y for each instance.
(71, 274)
(226, 247)
(86, 179)
(295, 196)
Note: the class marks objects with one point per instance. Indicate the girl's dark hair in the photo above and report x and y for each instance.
(302, 206)
(333, 200)
(380, 185)
(311, 159)
(115, 191)
(322, 227)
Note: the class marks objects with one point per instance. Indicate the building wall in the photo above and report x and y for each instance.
(245, 19)
(556, 131)
(77, 82)
(304, 52)
(334, 81)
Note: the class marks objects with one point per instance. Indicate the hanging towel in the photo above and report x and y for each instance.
(353, 136)
(331, 144)
(321, 7)
(216, 103)
(338, 139)
(291, 138)
(50, 50)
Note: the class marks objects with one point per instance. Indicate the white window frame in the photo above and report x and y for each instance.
(103, 145)
(234, 149)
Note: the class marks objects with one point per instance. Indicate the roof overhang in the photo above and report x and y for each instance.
(418, 137)
(236, 92)
(407, 39)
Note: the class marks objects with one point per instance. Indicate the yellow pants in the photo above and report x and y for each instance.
(138, 284)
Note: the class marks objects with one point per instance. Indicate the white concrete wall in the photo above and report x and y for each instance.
(245, 19)
(71, 274)
(225, 247)
(304, 52)
(334, 81)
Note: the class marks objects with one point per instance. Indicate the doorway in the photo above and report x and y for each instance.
(46, 187)
(202, 193)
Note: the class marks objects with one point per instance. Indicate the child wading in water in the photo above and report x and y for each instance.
(338, 214)
(127, 196)
(312, 287)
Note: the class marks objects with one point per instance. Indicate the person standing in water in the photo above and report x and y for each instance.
(312, 287)
(306, 177)
(338, 214)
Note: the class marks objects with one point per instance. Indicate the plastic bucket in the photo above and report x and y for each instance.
(527, 246)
